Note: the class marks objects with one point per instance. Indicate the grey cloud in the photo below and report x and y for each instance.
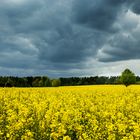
(71, 48)
(17, 60)
(64, 35)
(99, 14)
(120, 47)
(136, 6)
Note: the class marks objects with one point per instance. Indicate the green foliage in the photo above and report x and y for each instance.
(44, 81)
(9, 83)
(41, 82)
(56, 83)
(128, 77)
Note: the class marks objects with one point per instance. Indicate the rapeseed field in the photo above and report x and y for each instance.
(70, 113)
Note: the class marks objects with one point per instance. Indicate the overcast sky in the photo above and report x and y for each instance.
(69, 37)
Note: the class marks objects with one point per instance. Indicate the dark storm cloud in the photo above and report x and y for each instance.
(65, 35)
(136, 6)
(121, 48)
(99, 14)
(123, 45)
(61, 43)
(104, 16)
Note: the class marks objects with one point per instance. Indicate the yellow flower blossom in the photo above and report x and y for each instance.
(80, 112)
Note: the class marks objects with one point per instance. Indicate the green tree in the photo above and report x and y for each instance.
(9, 82)
(56, 82)
(127, 77)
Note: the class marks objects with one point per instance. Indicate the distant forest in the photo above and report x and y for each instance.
(44, 81)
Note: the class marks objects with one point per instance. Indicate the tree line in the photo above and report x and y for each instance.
(38, 81)
(126, 78)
